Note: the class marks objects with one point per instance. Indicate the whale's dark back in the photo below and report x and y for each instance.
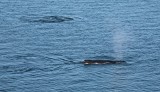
(45, 19)
(103, 62)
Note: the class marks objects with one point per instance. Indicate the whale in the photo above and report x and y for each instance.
(45, 19)
(90, 62)
(52, 19)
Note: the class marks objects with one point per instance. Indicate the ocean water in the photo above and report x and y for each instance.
(43, 41)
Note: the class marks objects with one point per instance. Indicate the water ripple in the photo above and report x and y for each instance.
(17, 69)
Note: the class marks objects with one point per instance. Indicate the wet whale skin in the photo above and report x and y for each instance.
(46, 19)
(53, 19)
(103, 62)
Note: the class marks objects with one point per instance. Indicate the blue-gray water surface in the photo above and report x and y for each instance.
(43, 41)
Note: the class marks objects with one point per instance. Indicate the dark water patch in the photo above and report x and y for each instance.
(46, 19)
(3, 91)
(7, 90)
(18, 69)
(29, 56)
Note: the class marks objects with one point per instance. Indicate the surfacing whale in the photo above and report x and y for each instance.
(47, 19)
(89, 62)
(53, 19)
